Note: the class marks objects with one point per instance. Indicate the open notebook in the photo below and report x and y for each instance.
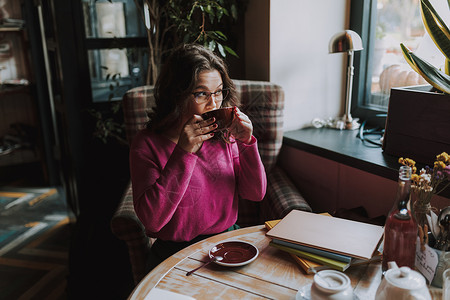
(352, 238)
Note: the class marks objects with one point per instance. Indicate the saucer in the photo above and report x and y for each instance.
(304, 293)
(234, 253)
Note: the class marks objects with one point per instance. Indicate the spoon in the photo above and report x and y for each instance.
(320, 278)
(214, 258)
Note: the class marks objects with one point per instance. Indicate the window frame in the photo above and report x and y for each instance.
(105, 43)
(363, 16)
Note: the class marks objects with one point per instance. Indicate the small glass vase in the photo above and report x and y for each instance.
(421, 207)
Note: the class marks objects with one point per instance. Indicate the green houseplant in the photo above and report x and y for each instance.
(172, 22)
(440, 34)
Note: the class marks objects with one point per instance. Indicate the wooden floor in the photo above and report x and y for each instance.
(35, 230)
(38, 268)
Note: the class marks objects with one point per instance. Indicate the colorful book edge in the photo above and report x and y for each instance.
(335, 264)
(307, 266)
(339, 242)
(335, 256)
(310, 266)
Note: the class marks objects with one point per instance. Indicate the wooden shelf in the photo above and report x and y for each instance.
(6, 90)
(10, 29)
(19, 156)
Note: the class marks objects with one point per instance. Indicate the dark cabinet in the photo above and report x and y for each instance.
(22, 146)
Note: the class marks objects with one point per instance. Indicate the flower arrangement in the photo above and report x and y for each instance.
(425, 184)
(428, 181)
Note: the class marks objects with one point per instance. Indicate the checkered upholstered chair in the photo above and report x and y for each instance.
(263, 102)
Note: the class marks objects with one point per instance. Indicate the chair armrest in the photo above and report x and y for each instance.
(127, 227)
(281, 196)
(124, 223)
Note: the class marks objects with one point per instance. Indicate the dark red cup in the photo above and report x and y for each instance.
(224, 117)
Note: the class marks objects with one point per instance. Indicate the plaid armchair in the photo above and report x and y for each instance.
(263, 102)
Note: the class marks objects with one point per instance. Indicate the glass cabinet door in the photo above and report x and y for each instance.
(116, 41)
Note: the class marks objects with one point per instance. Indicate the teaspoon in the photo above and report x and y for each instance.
(214, 258)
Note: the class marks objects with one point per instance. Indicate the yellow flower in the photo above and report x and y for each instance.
(408, 162)
(415, 178)
(439, 165)
(444, 157)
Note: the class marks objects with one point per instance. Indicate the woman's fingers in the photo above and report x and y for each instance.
(203, 128)
(242, 127)
(195, 132)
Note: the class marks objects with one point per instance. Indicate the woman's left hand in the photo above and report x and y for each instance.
(241, 127)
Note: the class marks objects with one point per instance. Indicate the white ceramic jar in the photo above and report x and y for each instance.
(331, 285)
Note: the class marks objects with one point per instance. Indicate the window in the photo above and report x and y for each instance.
(116, 40)
(383, 25)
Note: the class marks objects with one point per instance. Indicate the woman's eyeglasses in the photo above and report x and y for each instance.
(203, 97)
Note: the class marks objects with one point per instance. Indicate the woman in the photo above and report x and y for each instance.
(187, 177)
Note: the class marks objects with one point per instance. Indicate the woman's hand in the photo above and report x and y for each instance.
(195, 132)
(241, 127)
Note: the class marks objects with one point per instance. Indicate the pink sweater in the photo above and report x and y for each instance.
(179, 195)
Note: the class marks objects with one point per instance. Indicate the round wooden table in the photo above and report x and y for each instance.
(273, 275)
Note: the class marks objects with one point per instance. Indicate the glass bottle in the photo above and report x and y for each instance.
(400, 231)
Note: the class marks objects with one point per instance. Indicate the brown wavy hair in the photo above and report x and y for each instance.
(176, 83)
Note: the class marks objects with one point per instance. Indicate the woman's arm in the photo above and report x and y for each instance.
(252, 181)
(157, 191)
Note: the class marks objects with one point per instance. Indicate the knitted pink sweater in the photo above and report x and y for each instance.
(179, 195)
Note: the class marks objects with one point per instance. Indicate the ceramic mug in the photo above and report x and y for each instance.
(224, 117)
(331, 285)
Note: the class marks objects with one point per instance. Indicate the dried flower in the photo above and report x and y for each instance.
(427, 182)
(408, 162)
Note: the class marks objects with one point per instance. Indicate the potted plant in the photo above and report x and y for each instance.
(418, 117)
(173, 22)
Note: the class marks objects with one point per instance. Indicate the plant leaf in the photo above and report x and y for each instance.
(212, 45)
(231, 51)
(432, 75)
(221, 50)
(220, 33)
(447, 64)
(407, 55)
(220, 14)
(234, 12)
(436, 27)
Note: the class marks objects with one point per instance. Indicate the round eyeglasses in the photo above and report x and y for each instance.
(203, 97)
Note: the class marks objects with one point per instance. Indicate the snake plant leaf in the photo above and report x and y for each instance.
(406, 54)
(447, 64)
(436, 27)
(432, 75)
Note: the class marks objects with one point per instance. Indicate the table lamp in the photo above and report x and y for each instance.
(346, 41)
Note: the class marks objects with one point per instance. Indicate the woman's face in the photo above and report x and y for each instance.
(208, 81)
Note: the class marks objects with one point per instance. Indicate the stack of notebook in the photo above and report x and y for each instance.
(318, 242)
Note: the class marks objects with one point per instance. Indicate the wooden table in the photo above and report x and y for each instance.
(273, 275)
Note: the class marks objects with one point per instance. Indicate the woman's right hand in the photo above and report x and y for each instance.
(195, 132)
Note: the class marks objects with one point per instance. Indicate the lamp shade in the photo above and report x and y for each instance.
(344, 41)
